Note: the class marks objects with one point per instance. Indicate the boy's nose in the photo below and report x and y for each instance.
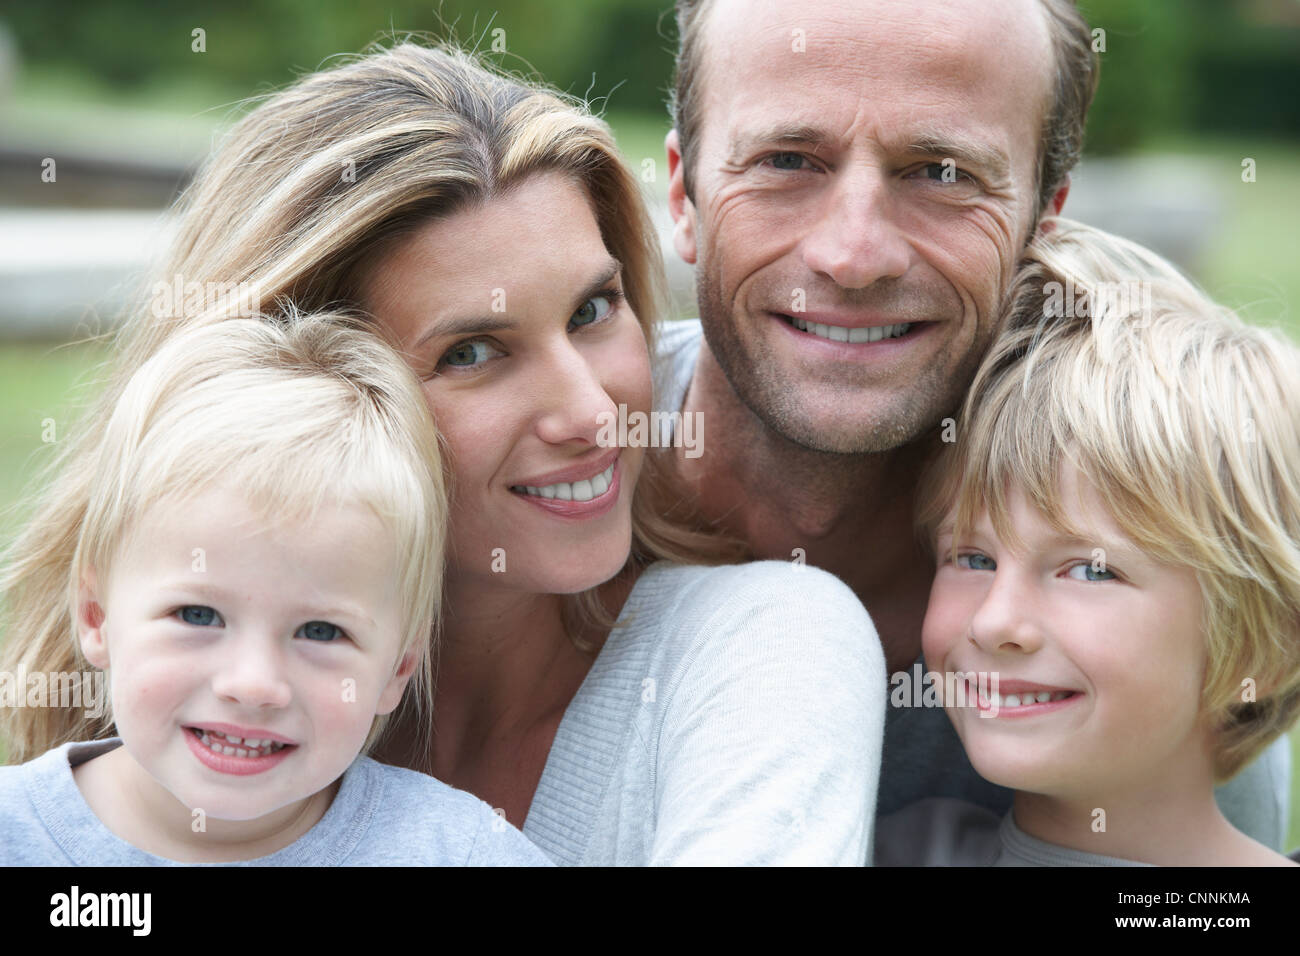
(253, 675)
(1007, 619)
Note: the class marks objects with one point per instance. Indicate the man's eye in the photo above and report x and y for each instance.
(469, 354)
(789, 162)
(320, 631)
(198, 615)
(976, 562)
(945, 172)
(1090, 573)
(593, 310)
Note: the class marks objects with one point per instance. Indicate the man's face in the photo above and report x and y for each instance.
(864, 182)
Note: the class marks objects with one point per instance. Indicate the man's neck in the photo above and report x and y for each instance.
(850, 515)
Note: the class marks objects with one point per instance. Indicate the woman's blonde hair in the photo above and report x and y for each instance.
(1186, 421)
(289, 212)
(308, 412)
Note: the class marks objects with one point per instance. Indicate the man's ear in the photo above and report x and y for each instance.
(680, 206)
(392, 693)
(90, 620)
(1054, 207)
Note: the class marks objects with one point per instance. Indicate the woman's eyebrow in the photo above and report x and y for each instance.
(481, 324)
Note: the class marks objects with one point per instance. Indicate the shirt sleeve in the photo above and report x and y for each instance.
(497, 843)
(769, 751)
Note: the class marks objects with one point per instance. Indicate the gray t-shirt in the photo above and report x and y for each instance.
(923, 756)
(944, 832)
(381, 816)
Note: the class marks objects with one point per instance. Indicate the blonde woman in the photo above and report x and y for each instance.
(616, 699)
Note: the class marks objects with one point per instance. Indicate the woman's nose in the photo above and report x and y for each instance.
(573, 401)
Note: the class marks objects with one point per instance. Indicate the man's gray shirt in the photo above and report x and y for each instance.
(923, 756)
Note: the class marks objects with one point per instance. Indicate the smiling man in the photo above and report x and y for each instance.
(854, 181)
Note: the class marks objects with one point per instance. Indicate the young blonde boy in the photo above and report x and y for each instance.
(258, 574)
(1117, 531)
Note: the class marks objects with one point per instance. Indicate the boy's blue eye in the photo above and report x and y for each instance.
(320, 631)
(198, 615)
(977, 562)
(1090, 573)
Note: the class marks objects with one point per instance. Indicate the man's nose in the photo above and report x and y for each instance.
(1008, 618)
(253, 674)
(572, 398)
(857, 241)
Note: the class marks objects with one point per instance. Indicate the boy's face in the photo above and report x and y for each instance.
(1096, 618)
(287, 634)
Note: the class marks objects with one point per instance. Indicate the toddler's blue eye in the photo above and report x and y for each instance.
(198, 615)
(977, 562)
(320, 631)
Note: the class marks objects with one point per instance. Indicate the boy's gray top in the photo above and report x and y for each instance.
(382, 816)
(923, 756)
(735, 719)
(946, 832)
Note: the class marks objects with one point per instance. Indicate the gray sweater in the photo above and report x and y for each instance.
(735, 719)
(381, 816)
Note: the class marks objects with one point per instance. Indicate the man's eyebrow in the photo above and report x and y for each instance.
(966, 151)
(480, 324)
(786, 133)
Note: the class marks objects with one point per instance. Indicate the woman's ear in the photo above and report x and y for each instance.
(90, 620)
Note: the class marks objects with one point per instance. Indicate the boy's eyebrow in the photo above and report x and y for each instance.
(213, 593)
(478, 325)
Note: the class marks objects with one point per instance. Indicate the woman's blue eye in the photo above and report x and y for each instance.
(469, 354)
(591, 311)
(320, 631)
(977, 562)
(198, 615)
(1090, 573)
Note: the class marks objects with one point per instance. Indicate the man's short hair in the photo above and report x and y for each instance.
(1059, 143)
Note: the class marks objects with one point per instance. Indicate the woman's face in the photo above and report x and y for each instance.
(511, 312)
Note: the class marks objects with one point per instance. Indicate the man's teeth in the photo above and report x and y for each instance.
(838, 333)
(236, 746)
(1022, 700)
(583, 490)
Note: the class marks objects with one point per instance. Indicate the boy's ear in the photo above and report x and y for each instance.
(90, 620)
(392, 694)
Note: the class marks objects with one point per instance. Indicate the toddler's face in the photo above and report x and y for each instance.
(214, 625)
(1107, 638)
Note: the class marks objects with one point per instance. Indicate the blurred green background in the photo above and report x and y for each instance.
(1189, 90)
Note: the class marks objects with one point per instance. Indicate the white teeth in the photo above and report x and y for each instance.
(838, 333)
(217, 743)
(583, 490)
(1023, 700)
